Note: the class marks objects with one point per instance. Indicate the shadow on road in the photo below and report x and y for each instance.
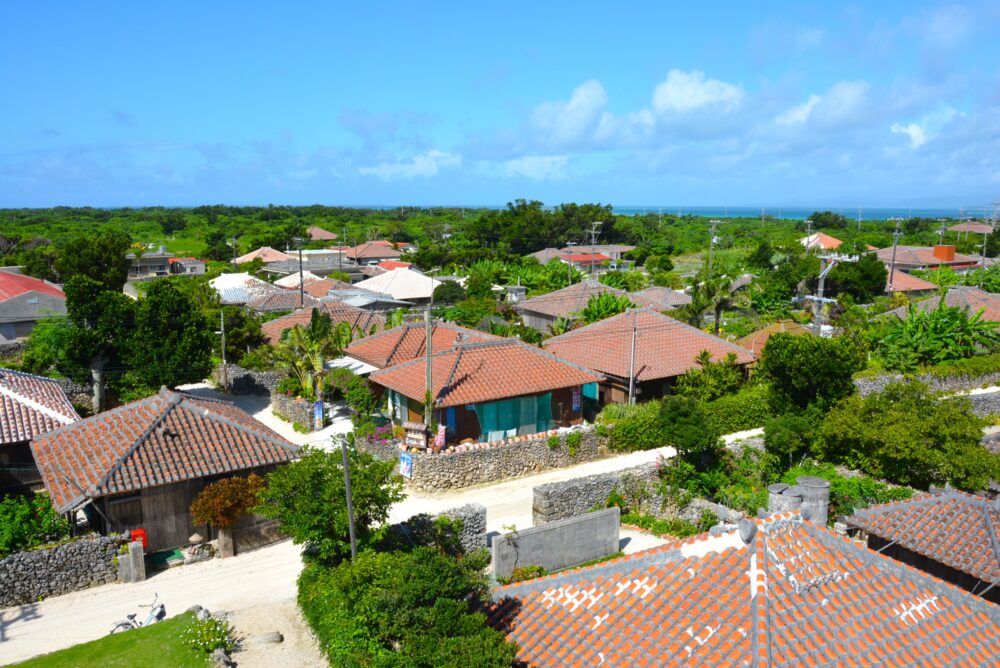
(23, 613)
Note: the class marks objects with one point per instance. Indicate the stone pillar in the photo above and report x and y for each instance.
(226, 548)
(132, 565)
(815, 494)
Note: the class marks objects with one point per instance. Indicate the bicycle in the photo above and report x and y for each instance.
(157, 611)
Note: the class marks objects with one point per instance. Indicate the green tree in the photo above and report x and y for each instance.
(862, 280)
(170, 343)
(828, 220)
(307, 498)
(479, 287)
(761, 257)
(787, 437)
(909, 435)
(100, 257)
(28, 522)
(448, 292)
(687, 428)
(603, 306)
(711, 380)
(629, 281)
(806, 371)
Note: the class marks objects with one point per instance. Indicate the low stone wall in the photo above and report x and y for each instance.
(481, 463)
(247, 381)
(80, 394)
(559, 500)
(558, 545)
(868, 386)
(293, 409)
(10, 352)
(257, 533)
(472, 536)
(34, 574)
(985, 404)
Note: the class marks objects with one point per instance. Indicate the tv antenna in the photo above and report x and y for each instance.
(895, 242)
(594, 231)
(711, 243)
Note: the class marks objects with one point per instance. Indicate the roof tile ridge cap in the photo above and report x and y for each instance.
(40, 407)
(173, 399)
(760, 603)
(92, 419)
(405, 327)
(987, 512)
(451, 376)
(889, 506)
(279, 441)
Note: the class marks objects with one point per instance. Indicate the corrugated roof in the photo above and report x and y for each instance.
(472, 373)
(167, 438)
(31, 405)
(14, 285)
(241, 288)
(789, 594)
(664, 347)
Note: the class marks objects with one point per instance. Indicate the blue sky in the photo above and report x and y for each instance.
(874, 104)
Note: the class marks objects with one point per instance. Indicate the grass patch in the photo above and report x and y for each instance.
(157, 645)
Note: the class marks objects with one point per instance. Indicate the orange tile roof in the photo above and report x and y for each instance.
(472, 373)
(755, 342)
(952, 528)
(322, 287)
(821, 240)
(664, 347)
(571, 299)
(958, 296)
(922, 256)
(31, 405)
(266, 255)
(587, 257)
(777, 592)
(662, 298)
(319, 234)
(407, 342)
(903, 282)
(167, 438)
(361, 321)
(372, 250)
(394, 264)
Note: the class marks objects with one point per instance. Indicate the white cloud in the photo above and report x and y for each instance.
(426, 165)
(808, 38)
(570, 122)
(946, 27)
(916, 133)
(800, 114)
(537, 167)
(688, 91)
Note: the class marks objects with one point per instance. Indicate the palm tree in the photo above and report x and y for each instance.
(304, 351)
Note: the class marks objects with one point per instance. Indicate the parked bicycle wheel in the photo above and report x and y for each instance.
(121, 626)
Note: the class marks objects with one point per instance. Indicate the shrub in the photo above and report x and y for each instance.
(633, 426)
(29, 522)
(936, 335)
(747, 409)
(686, 427)
(554, 442)
(848, 493)
(223, 502)
(403, 609)
(522, 573)
(787, 437)
(448, 292)
(807, 370)
(711, 380)
(979, 365)
(573, 441)
(209, 634)
(675, 528)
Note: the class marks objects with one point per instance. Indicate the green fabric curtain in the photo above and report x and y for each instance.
(514, 417)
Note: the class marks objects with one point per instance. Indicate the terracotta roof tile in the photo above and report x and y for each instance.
(30, 406)
(166, 438)
(664, 347)
(360, 321)
(950, 527)
(793, 595)
(471, 373)
(755, 342)
(285, 300)
(372, 250)
(407, 342)
(958, 296)
(921, 256)
(821, 240)
(903, 282)
(319, 234)
(571, 299)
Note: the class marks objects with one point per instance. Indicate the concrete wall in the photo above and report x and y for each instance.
(559, 544)
(26, 577)
(466, 465)
(559, 500)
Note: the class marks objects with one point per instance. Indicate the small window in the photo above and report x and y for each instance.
(33, 301)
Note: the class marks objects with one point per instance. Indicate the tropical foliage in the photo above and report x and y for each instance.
(933, 336)
(27, 522)
(603, 306)
(809, 371)
(304, 351)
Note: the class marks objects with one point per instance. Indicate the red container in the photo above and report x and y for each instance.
(139, 535)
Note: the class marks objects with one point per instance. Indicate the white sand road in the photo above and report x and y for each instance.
(251, 583)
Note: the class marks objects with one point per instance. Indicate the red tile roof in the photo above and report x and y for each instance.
(664, 347)
(922, 256)
(589, 258)
(322, 288)
(31, 405)
(790, 594)
(14, 285)
(407, 342)
(373, 249)
(472, 373)
(903, 282)
(361, 321)
(662, 298)
(319, 234)
(821, 240)
(953, 528)
(958, 296)
(389, 265)
(972, 226)
(167, 438)
(266, 255)
(755, 342)
(571, 299)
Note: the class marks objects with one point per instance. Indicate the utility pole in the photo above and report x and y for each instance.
(428, 394)
(595, 229)
(302, 285)
(993, 224)
(895, 242)
(340, 256)
(222, 330)
(631, 365)
(711, 244)
(809, 227)
(233, 239)
(350, 498)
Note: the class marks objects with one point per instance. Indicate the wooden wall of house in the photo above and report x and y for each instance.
(562, 406)
(18, 473)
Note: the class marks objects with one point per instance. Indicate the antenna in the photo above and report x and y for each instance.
(895, 242)
(595, 229)
(711, 243)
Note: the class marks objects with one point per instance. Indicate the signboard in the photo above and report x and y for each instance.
(317, 415)
(406, 465)
(577, 394)
(416, 435)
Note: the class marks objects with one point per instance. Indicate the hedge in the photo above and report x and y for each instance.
(747, 409)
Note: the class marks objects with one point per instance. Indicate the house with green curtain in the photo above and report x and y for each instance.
(489, 390)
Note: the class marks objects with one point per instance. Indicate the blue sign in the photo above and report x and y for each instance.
(406, 465)
(317, 415)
